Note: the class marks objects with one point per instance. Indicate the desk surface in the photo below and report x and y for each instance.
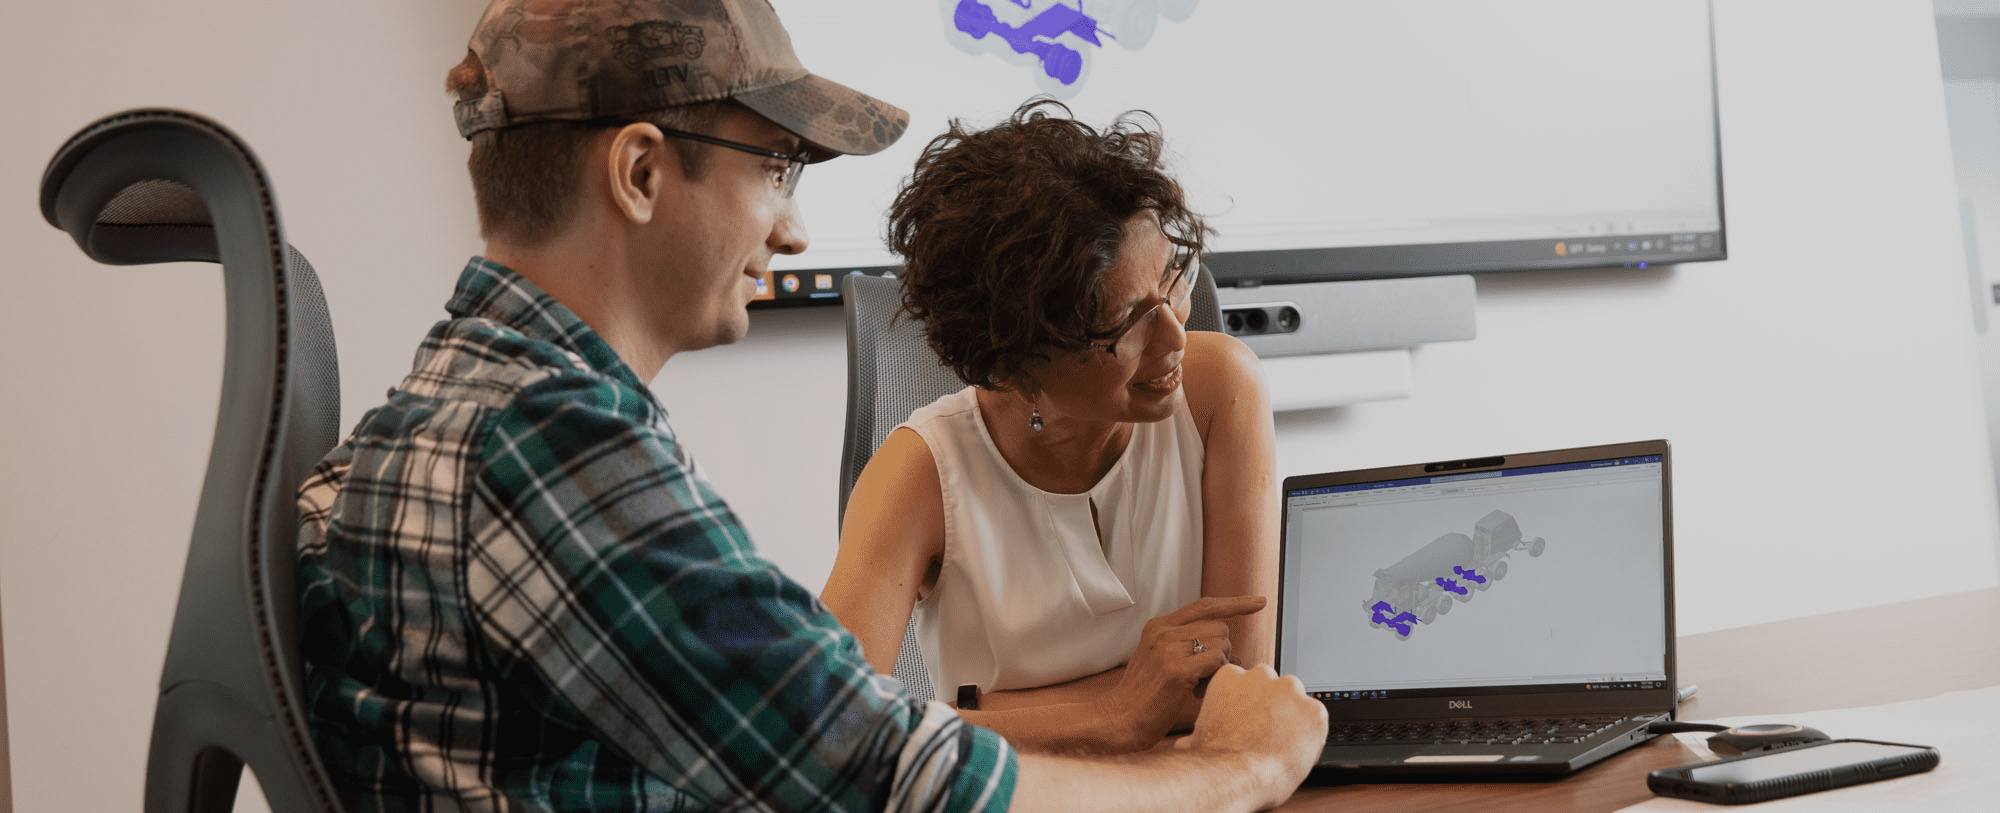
(1866, 657)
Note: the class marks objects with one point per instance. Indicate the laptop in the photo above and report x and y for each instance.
(1507, 615)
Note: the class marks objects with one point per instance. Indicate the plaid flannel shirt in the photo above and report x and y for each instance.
(518, 594)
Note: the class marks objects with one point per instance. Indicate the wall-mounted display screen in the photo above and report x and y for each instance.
(1323, 139)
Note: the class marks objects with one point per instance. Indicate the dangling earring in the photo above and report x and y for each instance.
(1035, 420)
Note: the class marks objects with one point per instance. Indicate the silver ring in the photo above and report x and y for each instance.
(1199, 647)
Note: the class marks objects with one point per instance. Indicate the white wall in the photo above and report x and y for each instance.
(1819, 387)
(1969, 53)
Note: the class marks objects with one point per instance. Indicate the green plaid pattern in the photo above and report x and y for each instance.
(520, 595)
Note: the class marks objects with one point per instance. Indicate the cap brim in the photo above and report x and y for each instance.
(832, 118)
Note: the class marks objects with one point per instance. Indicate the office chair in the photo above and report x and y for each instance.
(891, 371)
(150, 186)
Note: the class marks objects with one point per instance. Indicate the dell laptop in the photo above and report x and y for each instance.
(1482, 617)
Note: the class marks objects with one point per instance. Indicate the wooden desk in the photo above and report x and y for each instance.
(1867, 657)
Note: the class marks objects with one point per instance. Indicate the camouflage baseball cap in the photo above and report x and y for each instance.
(554, 60)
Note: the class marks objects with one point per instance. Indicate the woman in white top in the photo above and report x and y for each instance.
(1089, 530)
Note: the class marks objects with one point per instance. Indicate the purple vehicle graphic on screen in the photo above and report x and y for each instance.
(1037, 36)
(1056, 42)
(1452, 568)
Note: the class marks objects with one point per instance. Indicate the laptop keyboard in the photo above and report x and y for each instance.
(1473, 732)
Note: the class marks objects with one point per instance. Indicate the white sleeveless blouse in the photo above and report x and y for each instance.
(1028, 595)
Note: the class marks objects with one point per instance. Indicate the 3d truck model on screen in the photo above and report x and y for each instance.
(1451, 568)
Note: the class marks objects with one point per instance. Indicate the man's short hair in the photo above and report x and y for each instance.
(527, 179)
(1006, 234)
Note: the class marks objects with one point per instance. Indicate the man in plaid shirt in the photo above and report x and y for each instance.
(518, 592)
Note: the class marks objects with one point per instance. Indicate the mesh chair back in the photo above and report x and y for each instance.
(148, 186)
(891, 372)
(1204, 310)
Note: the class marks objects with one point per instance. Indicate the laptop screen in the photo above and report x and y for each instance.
(1543, 577)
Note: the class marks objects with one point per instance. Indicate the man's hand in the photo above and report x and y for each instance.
(1265, 717)
(1176, 652)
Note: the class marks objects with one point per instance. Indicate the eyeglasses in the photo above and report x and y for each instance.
(785, 180)
(1184, 268)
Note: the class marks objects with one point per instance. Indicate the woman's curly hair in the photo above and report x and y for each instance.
(1006, 234)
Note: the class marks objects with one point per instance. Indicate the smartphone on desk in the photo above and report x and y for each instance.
(1791, 771)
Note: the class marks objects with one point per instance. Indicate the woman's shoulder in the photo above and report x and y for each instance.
(954, 404)
(1217, 348)
(1221, 372)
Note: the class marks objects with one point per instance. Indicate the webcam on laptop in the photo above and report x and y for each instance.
(1469, 463)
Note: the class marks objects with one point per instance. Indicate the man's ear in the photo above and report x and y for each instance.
(637, 167)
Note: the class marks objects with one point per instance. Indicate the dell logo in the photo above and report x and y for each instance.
(1458, 704)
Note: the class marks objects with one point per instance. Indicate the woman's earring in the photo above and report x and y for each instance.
(1035, 420)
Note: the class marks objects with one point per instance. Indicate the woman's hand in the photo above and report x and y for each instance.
(1176, 652)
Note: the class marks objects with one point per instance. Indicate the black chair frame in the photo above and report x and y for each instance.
(156, 185)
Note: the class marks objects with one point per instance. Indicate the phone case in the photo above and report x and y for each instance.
(1676, 781)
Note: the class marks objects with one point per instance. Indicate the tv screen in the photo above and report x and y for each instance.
(1323, 139)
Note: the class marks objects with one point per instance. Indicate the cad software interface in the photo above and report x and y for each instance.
(1540, 576)
(1304, 125)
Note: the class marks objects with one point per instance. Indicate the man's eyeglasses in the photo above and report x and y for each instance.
(1184, 268)
(784, 180)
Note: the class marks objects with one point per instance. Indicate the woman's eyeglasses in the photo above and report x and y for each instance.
(1182, 272)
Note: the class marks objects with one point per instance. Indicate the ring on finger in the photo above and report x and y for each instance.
(1199, 647)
